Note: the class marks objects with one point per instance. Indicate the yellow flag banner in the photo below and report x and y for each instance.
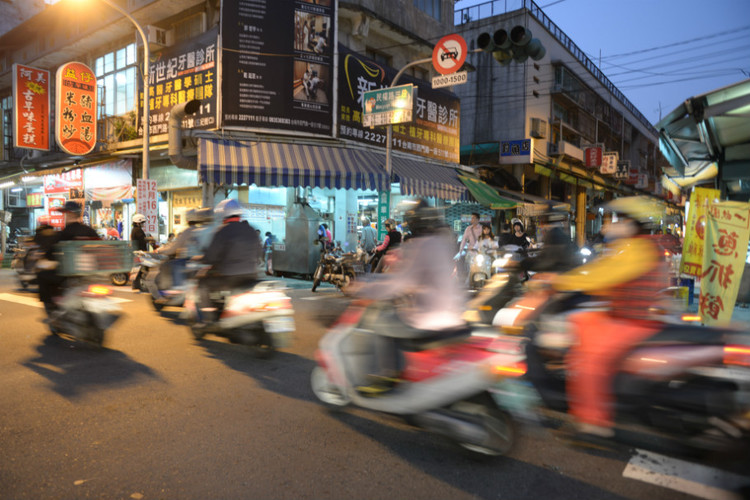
(727, 232)
(692, 247)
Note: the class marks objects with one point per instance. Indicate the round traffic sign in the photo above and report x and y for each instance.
(449, 54)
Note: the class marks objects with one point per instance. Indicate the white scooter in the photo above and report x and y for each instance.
(259, 315)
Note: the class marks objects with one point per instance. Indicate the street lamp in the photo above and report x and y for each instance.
(145, 84)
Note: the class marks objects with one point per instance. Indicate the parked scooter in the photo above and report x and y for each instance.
(339, 269)
(24, 262)
(443, 388)
(259, 315)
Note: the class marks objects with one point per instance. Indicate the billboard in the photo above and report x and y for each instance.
(434, 131)
(178, 74)
(75, 102)
(388, 106)
(30, 107)
(262, 86)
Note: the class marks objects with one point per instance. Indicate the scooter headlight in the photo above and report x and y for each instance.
(479, 259)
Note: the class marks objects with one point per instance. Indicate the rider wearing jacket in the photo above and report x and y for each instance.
(629, 277)
(137, 235)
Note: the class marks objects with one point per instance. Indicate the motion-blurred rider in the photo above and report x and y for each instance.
(233, 255)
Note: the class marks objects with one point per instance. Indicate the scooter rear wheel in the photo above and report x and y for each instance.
(264, 347)
(496, 423)
(316, 277)
(328, 394)
(119, 279)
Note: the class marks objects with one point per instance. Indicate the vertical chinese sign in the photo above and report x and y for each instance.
(30, 108)
(727, 231)
(75, 102)
(692, 248)
(147, 203)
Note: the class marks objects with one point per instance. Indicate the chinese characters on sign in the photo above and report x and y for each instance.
(726, 236)
(609, 163)
(434, 131)
(147, 203)
(30, 108)
(692, 248)
(388, 106)
(622, 172)
(512, 152)
(593, 157)
(182, 73)
(64, 183)
(75, 102)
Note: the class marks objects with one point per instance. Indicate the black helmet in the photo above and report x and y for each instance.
(423, 219)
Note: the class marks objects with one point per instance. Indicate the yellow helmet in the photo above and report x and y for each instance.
(646, 211)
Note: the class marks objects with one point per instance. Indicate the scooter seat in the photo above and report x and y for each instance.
(687, 334)
(435, 339)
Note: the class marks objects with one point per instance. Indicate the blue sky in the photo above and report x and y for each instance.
(658, 52)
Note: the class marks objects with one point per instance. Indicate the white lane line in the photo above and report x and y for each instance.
(34, 302)
(704, 482)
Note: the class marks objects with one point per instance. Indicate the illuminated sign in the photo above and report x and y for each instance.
(30, 108)
(75, 102)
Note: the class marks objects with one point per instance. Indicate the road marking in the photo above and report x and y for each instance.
(34, 302)
(704, 482)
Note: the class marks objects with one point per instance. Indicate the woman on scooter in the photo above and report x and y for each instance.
(486, 239)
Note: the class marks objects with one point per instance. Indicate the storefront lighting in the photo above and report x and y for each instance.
(8, 184)
(16, 190)
(30, 178)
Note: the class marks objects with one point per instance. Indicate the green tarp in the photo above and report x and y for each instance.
(486, 194)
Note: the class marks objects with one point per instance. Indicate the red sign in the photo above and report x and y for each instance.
(75, 103)
(63, 183)
(449, 54)
(633, 176)
(34, 200)
(56, 219)
(594, 157)
(30, 108)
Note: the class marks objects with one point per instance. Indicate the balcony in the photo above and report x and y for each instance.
(565, 149)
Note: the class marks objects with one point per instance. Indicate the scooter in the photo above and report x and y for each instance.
(158, 282)
(339, 269)
(444, 387)
(684, 391)
(259, 315)
(24, 262)
(143, 261)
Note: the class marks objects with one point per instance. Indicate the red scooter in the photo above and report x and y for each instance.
(443, 387)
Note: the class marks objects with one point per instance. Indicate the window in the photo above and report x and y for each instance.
(117, 72)
(430, 7)
(7, 126)
(378, 57)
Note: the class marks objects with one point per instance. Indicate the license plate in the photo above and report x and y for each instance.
(281, 324)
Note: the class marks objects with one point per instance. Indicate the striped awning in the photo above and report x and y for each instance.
(421, 178)
(273, 164)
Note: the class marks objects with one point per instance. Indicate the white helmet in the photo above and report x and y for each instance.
(139, 219)
(228, 208)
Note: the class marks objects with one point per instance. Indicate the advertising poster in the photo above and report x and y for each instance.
(147, 203)
(70, 182)
(30, 108)
(277, 65)
(727, 230)
(695, 231)
(435, 128)
(109, 181)
(75, 102)
(181, 73)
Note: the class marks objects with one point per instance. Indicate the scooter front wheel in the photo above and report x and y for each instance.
(119, 279)
(328, 394)
(316, 277)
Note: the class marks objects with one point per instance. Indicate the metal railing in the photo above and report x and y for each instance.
(497, 7)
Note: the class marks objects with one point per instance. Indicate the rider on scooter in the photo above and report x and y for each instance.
(629, 277)
(186, 245)
(431, 302)
(232, 254)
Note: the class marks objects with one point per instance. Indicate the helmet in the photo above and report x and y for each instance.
(645, 211)
(70, 206)
(513, 223)
(228, 208)
(139, 219)
(191, 215)
(422, 218)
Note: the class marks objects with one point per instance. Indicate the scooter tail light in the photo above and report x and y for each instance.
(99, 290)
(737, 355)
(509, 370)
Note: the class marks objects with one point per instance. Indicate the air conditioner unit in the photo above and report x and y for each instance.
(159, 36)
(538, 128)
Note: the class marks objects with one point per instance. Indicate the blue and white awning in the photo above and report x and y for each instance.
(274, 164)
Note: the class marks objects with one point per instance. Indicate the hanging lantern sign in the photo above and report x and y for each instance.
(75, 107)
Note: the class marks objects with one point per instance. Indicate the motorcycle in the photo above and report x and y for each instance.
(339, 269)
(684, 390)
(143, 261)
(259, 315)
(444, 387)
(24, 261)
(158, 282)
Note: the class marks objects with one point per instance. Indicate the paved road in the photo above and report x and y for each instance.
(158, 415)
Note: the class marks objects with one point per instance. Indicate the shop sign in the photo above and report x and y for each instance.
(190, 198)
(277, 65)
(623, 170)
(75, 102)
(695, 230)
(633, 174)
(147, 203)
(34, 200)
(56, 219)
(182, 73)
(513, 152)
(724, 254)
(434, 131)
(388, 106)
(30, 107)
(642, 182)
(609, 163)
(593, 156)
(64, 182)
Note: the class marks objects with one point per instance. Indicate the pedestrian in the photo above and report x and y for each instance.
(268, 250)
(369, 236)
(518, 237)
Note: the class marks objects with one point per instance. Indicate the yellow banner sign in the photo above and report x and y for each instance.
(692, 248)
(727, 231)
(188, 198)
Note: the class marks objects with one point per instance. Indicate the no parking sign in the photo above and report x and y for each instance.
(449, 54)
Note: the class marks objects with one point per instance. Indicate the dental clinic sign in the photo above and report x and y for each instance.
(75, 104)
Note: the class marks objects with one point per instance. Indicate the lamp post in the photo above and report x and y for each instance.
(145, 84)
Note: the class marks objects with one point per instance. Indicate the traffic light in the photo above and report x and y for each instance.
(516, 46)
